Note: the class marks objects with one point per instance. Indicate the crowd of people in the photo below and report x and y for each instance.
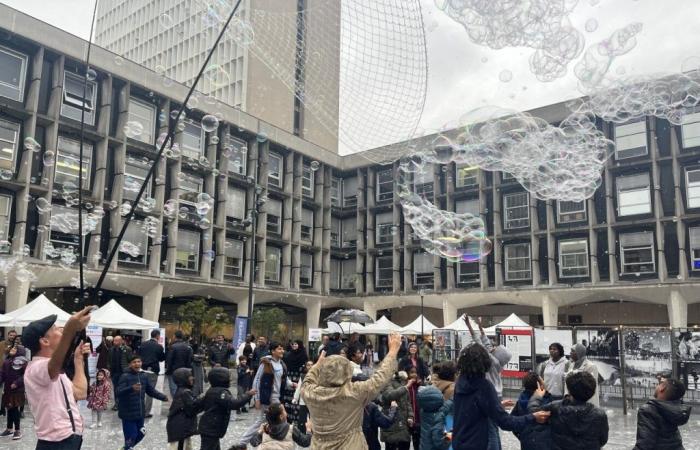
(340, 399)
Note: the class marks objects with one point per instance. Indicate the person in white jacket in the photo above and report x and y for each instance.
(249, 341)
(554, 370)
(303, 415)
(583, 364)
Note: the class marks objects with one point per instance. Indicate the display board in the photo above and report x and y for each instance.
(603, 348)
(687, 343)
(444, 345)
(315, 334)
(544, 338)
(519, 343)
(647, 355)
(94, 332)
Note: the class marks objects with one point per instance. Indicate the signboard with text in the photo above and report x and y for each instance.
(519, 344)
(315, 334)
(94, 332)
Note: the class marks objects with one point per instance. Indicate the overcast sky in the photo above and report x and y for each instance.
(459, 81)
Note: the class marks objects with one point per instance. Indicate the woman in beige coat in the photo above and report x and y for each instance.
(336, 404)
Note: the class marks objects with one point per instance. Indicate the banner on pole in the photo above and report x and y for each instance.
(240, 331)
(94, 332)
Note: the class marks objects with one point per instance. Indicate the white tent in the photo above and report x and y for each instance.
(37, 309)
(381, 326)
(414, 328)
(113, 315)
(511, 321)
(460, 325)
(344, 328)
(4, 320)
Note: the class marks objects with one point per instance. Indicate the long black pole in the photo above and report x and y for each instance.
(253, 245)
(152, 170)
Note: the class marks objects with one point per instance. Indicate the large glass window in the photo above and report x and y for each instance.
(67, 162)
(13, 70)
(573, 258)
(9, 141)
(145, 114)
(235, 203)
(307, 182)
(350, 186)
(335, 232)
(307, 225)
(633, 195)
(273, 260)
(238, 161)
(192, 140)
(335, 274)
(692, 180)
(233, 258)
(5, 210)
(306, 271)
(74, 100)
(466, 175)
(336, 191)
(517, 210)
(350, 232)
(631, 140)
(571, 211)
(691, 130)
(385, 272)
(385, 185)
(275, 170)
(135, 172)
(637, 253)
(694, 248)
(468, 272)
(518, 263)
(134, 246)
(348, 270)
(187, 256)
(190, 187)
(384, 223)
(423, 275)
(274, 216)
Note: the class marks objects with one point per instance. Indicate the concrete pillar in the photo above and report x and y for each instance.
(313, 313)
(151, 303)
(449, 313)
(677, 310)
(550, 311)
(16, 294)
(370, 309)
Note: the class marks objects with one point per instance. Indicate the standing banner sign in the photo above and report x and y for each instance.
(94, 332)
(240, 331)
(519, 344)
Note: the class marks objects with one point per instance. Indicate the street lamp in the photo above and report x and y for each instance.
(422, 317)
(252, 220)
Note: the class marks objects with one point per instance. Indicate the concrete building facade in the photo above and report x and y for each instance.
(331, 233)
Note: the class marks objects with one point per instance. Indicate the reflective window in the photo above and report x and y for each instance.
(192, 140)
(134, 247)
(187, 255)
(274, 216)
(68, 162)
(233, 258)
(691, 130)
(273, 261)
(573, 258)
(307, 182)
(307, 225)
(348, 270)
(518, 263)
(135, 172)
(692, 180)
(9, 143)
(336, 191)
(383, 224)
(335, 232)
(5, 210)
(468, 272)
(306, 271)
(235, 203)
(385, 272)
(466, 175)
(145, 114)
(633, 195)
(335, 274)
(637, 253)
(350, 232)
(13, 70)
(238, 159)
(275, 170)
(694, 248)
(423, 275)
(571, 211)
(385, 185)
(76, 97)
(517, 210)
(631, 140)
(350, 187)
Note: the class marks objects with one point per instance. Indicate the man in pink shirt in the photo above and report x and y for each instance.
(52, 395)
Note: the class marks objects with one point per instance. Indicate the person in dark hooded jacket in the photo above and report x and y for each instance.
(276, 433)
(430, 401)
(441, 434)
(575, 423)
(182, 417)
(535, 436)
(659, 418)
(217, 405)
(373, 419)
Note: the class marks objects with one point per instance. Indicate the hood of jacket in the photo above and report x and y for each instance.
(219, 377)
(181, 376)
(430, 399)
(335, 371)
(577, 417)
(523, 400)
(581, 351)
(467, 386)
(674, 412)
(278, 432)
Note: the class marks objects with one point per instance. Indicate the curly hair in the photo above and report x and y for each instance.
(530, 382)
(447, 371)
(558, 346)
(273, 416)
(581, 386)
(474, 361)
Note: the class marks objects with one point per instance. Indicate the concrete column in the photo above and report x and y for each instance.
(16, 294)
(449, 313)
(370, 309)
(677, 310)
(151, 303)
(550, 311)
(313, 313)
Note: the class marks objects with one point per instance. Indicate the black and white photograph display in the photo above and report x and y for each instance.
(647, 356)
(602, 347)
(687, 344)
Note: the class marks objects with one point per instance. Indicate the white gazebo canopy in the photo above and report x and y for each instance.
(4, 320)
(344, 328)
(511, 321)
(113, 315)
(460, 325)
(37, 309)
(382, 326)
(414, 328)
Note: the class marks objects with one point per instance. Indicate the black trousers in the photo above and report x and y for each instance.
(13, 416)
(210, 443)
(415, 436)
(72, 443)
(398, 446)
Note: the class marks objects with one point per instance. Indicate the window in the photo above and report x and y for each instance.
(275, 169)
(348, 270)
(423, 270)
(135, 172)
(73, 98)
(306, 271)
(134, 247)
(335, 274)
(350, 232)
(383, 224)
(67, 162)
(335, 232)
(9, 139)
(518, 264)
(274, 216)
(507, 177)
(336, 191)
(272, 264)
(307, 225)
(233, 258)
(573, 258)
(466, 175)
(350, 186)
(238, 160)
(187, 256)
(517, 210)
(692, 180)
(690, 130)
(424, 181)
(633, 195)
(192, 140)
(5, 209)
(637, 253)
(307, 182)
(385, 272)
(468, 272)
(190, 187)
(64, 228)
(235, 203)
(631, 140)
(571, 211)
(470, 206)
(694, 248)
(145, 114)
(385, 185)
(13, 70)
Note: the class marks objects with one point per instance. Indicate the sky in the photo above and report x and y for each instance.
(464, 76)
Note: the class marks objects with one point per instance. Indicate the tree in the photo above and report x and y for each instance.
(267, 322)
(200, 317)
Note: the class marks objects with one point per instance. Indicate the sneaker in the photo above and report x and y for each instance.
(92, 427)
(148, 416)
(6, 433)
(99, 424)
(17, 435)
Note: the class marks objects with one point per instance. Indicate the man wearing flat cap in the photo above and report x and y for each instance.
(52, 395)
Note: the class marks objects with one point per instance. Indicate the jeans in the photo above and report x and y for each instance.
(72, 443)
(254, 428)
(134, 431)
(172, 386)
(153, 379)
(494, 437)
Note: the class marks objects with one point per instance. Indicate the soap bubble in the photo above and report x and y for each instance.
(315, 165)
(217, 76)
(91, 74)
(204, 224)
(49, 158)
(30, 144)
(591, 25)
(133, 129)
(204, 203)
(170, 208)
(42, 205)
(262, 137)
(130, 249)
(166, 21)
(125, 209)
(210, 123)
(6, 174)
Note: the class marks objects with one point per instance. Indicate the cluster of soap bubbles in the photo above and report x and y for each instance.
(542, 25)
